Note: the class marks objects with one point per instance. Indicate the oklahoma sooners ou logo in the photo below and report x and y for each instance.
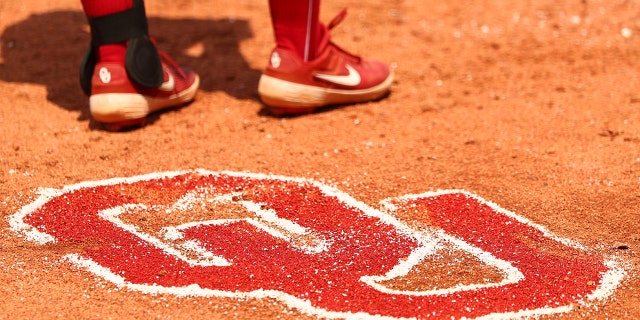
(311, 246)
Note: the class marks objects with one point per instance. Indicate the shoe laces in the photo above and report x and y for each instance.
(168, 61)
(332, 24)
(337, 19)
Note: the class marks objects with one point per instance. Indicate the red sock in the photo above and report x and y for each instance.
(98, 8)
(296, 26)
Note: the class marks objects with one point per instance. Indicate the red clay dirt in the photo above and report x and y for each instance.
(532, 105)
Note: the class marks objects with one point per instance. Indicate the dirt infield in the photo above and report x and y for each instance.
(528, 110)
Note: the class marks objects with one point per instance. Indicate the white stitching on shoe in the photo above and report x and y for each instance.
(352, 79)
(275, 60)
(168, 85)
(105, 75)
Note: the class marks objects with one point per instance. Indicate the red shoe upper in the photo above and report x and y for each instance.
(333, 67)
(111, 77)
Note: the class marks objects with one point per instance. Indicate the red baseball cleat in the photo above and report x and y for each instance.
(119, 102)
(290, 85)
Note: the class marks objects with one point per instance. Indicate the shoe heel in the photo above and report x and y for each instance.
(118, 107)
(280, 94)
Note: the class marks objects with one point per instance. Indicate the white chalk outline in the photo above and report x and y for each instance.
(205, 257)
(429, 242)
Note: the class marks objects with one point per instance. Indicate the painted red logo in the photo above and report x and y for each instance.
(311, 246)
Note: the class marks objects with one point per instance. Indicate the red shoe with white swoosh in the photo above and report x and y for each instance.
(119, 102)
(290, 85)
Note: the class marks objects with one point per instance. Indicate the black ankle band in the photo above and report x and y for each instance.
(121, 26)
(142, 61)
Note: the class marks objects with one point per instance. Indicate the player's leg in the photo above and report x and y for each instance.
(124, 74)
(306, 70)
(296, 26)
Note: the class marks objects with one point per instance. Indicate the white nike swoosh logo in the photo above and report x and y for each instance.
(352, 79)
(168, 85)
